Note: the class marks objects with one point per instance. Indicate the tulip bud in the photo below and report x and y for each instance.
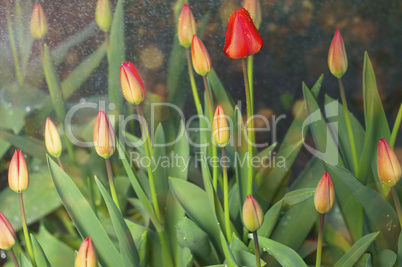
(132, 86)
(388, 166)
(200, 57)
(187, 27)
(38, 22)
(86, 256)
(324, 196)
(103, 134)
(52, 139)
(242, 37)
(103, 15)
(253, 217)
(254, 8)
(337, 58)
(7, 234)
(220, 129)
(18, 179)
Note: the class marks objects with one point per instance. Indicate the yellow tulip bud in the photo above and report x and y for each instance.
(200, 57)
(18, 179)
(388, 166)
(254, 8)
(220, 129)
(103, 135)
(324, 196)
(253, 217)
(86, 256)
(186, 28)
(39, 26)
(52, 139)
(7, 234)
(103, 15)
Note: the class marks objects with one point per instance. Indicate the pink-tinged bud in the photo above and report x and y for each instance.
(103, 15)
(254, 8)
(18, 179)
(187, 27)
(388, 166)
(132, 86)
(242, 37)
(324, 196)
(86, 256)
(52, 139)
(104, 138)
(337, 58)
(253, 217)
(220, 129)
(200, 57)
(38, 22)
(7, 234)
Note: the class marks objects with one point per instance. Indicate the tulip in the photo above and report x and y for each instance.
(39, 26)
(242, 37)
(18, 179)
(254, 8)
(253, 217)
(86, 256)
(186, 28)
(388, 166)
(220, 129)
(337, 58)
(324, 196)
(7, 234)
(132, 86)
(103, 15)
(52, 139)
(103, 134)
(200, 57)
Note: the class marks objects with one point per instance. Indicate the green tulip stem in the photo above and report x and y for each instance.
(397, 204)
(60, 164)
(111, 183)
(13, 45)
(251, 82)
(257, 249)
(214, 148)
(349, 128)
(396, 127)
(13, 257)
(249, 134)
(319, 243)
(192, 82)
(25, 229)
(226, 196)
(147, 146)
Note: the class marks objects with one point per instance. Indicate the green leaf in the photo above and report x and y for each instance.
(385, 258)
(160, 166)
(230, 259)
(400, 250)
(58, 253)
(297, 196)
(286, 256)
(126, 243)
(40, 199)
(24, 262)
(197, 205)
(83, 216)
(39, 254)
(356, 251)
(53, 83)
(381, 215)
(182, 153)
(116, 56)
(364, 261)
(28, 144)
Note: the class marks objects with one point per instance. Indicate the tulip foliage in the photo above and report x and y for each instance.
(118, 179)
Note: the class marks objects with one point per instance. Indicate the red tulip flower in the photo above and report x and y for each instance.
(242, 37)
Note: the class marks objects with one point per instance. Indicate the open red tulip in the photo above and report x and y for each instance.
(242, 37)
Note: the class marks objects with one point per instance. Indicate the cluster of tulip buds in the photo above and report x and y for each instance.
(38, 25)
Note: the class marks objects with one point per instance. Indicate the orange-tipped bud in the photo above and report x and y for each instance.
(132, 86)
(220, 129)
(242, 37)
(253, 217)
(18, 179)
(254, 8)
(104, 138)
(324, 196)
(200, 57)
(103, 15)
(187, 27)
(86, 256)
(337, 58)
(52, 139)
(388, 166)
(7, 234)
(38, 22)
